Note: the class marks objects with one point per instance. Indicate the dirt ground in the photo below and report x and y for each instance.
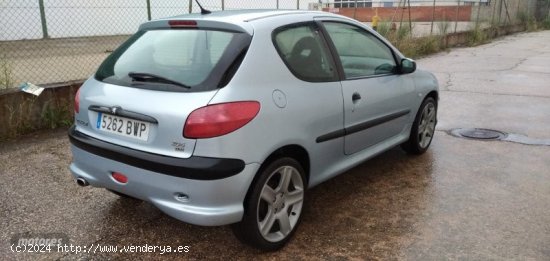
(462, 200)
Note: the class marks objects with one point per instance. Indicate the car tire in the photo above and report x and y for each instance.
(423, 128)
(273, 208)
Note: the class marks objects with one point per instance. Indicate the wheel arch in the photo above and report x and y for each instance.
(294, 151)
(434, 94)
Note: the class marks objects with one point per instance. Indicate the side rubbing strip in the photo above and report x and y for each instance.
(331, 136)
(371, 123)
(361, 126)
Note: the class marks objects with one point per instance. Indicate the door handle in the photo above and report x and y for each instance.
(355, 97)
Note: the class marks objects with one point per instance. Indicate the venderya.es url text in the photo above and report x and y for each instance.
(99, 248)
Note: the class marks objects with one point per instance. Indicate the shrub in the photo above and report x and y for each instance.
(545, 24)
(477, 36)
(384, 28)
(418, 47)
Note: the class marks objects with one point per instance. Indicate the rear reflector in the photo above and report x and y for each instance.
(77, 101)
(182, 23)
(120, 177)
(219, 119)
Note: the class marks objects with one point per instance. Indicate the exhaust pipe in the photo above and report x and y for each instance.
(82, 182)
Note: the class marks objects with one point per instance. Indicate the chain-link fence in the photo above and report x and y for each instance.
(427, 17)
(49, 41)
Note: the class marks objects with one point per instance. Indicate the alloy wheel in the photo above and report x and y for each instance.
(280, 203)
(426, 128)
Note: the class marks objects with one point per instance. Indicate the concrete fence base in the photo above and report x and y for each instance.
(22, 113)
(463, 38)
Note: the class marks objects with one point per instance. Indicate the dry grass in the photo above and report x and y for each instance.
(410, 46)
(6, 74)
(477, 36)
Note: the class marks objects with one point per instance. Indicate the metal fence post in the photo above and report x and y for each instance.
(493, 14)
(433, 18)
(457, 11)
(402, 13)
(517, 12)
(355, 9)
(223, 5)
(478, 12)
(499, 12)
(507, 19)
(277, 1)
(297, 4)
(190, 6)
(43, 19)
(410, 21)
(149, 10)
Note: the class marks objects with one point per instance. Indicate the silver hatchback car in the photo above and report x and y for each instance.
(229, 117)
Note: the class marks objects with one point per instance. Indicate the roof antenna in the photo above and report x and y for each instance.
(203, 11)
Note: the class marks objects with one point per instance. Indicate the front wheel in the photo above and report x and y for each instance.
(274, 206)
(423, 129)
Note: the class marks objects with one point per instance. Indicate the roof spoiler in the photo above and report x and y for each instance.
(192, 23)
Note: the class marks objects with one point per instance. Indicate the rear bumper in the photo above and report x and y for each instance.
(201, 168)
(211, 202)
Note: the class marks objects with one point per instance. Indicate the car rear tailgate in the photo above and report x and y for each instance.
(167, 111)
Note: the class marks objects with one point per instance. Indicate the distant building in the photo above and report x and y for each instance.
(352, 3)
(394, 3)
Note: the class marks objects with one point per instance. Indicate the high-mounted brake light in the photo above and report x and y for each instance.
(77, 101)
(182, 23)
(219, 119)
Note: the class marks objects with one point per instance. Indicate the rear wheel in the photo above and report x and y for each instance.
(274, 207)
(423, 128)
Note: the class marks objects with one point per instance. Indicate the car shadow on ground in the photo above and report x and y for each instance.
(369, 206)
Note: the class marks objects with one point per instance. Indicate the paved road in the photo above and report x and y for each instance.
(463, 199)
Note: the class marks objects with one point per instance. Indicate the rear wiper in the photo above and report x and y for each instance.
(149, 77)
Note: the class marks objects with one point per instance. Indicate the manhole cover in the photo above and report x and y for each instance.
(480, 134)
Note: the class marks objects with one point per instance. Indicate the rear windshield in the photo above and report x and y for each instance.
(172, 59)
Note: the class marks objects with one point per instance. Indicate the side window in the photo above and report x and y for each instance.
(303, 51)
(361, 53)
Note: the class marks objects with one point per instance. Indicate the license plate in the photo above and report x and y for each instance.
(123, 126)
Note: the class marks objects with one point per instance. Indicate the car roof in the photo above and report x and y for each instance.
(232, 19)
(244, 15)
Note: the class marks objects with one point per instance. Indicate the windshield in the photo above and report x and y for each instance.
(184, 58)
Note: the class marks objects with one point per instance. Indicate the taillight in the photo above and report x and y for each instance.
(182, 23)
(77, 101)
(219, 119)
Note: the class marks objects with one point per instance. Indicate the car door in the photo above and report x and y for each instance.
(376, 96)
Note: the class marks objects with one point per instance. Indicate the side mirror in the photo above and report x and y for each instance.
(407, 66)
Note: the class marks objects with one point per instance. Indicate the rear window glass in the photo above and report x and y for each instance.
(164, 57)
